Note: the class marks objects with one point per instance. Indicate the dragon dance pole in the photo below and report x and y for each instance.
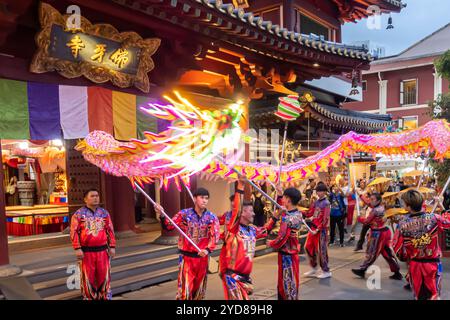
(189, 191)
(356, 192)
(257, 188)
(282, 151)
(167, 217)
(423, 172)
(441, 194)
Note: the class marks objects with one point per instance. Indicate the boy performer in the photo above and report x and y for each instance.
(288, 246)
(236, 257)
(202, 226)
(418, 244)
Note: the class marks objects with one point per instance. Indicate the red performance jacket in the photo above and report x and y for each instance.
(375, 219)
(224, 220)
(287, 239)
(239, 246)
(204, 230)
(320, 214)
(417, 237)
(91, 229)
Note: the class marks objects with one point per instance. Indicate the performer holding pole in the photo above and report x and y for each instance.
(200, 230)
(288, 246)
(236, 258)
(167, 217)
(418, 244)
(380, 240)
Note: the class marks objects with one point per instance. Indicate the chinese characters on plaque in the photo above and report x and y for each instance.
(98, 52)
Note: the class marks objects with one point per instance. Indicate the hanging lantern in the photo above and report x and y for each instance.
(355, 81)
(390, 25)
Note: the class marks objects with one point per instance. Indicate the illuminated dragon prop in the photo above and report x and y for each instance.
(194, 139)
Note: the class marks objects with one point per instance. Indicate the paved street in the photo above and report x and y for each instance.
(343, 284)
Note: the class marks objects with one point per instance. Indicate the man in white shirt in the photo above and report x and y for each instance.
(345, 190)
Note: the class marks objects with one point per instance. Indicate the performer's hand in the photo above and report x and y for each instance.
(277, 214)
(112, 252)
(80, 254)
(203, 253)
(314, 232)
(279, 190)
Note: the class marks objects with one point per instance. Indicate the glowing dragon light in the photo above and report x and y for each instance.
(194, 139)
(189, 144)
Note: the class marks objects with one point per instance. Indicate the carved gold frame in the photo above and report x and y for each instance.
(42, 62)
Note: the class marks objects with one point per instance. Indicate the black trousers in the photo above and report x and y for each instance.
(339, 221)
(362, 236)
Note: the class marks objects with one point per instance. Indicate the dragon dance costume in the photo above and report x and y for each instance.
(204, 231)
(236, 257)
(93, 233)
(316, 244)
(380, 240)
(418, 245)
(288, 248)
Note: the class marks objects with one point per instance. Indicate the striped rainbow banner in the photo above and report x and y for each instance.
(41, 111)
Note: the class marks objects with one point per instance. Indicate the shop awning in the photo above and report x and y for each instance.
(395, 163)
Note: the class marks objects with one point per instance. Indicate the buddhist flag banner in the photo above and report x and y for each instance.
(100, 109)
(73, 111)
(124, 115)
(144, 121)
(42, 111)
(14, 117)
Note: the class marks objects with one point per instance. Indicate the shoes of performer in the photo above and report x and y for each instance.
(331, 244)
(311, 273)
(359, 272)
(407, 286)
(396, 276)
(342, 245)
(324, 275)
(358, 249)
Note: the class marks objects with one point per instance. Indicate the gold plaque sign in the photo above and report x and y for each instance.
(97, 51)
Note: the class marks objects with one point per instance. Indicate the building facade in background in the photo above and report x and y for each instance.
(404, 84)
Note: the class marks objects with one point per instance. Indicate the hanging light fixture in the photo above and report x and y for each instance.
(390, 25)
(355, 80)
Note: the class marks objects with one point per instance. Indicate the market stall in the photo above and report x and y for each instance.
(37, 220)
(36, 186)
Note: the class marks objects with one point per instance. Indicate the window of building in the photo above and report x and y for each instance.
(408, 92)
(364, 85)
(306, 24)
(411, 122)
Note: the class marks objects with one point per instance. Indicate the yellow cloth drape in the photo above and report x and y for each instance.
(124, 115)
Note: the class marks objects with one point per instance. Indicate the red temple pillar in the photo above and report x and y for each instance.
(4, 256)
(118, 197)
(5, 268)
(170, 201)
